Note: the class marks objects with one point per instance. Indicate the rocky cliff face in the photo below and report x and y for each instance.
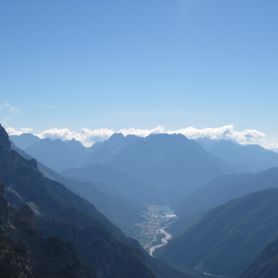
(25, 254)
(4, 140)
(14, 261)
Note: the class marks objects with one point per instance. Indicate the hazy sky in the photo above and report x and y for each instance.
(140, 63)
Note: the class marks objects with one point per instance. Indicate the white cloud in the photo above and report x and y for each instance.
(225, 132)
(85, 136)
(89, 136)
(272, 146)
(7, 108)
(142, 132)
(13, 131)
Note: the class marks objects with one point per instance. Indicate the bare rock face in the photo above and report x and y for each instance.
(14, 261)
(24, 219)
(5, 144)
(3, 209)
(57, 259)
(25, 254)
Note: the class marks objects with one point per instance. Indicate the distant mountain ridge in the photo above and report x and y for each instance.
(167, 166)
(219, 191)
(249, 158)
(57, 154)
(245, 158)
(103, 152)
(24, 140)
(153, 164)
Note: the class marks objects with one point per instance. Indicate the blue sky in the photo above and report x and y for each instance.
(123, 63)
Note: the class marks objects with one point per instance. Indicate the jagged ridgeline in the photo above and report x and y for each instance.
(48, 231)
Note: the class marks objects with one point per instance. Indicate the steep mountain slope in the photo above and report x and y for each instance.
(119, 210)
(119, 183)
(249, 158)
(123, 212)
(24, 253)
(266, 265)
(219, 191)
(62, 214)
(228, 239)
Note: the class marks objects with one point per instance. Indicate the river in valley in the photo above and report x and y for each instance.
(152, 232)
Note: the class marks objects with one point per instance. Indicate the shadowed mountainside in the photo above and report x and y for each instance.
(219, 191)
(266, 265)
(229, 238)
(24, 253)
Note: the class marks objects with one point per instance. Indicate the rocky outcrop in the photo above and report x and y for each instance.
(25, 254)
(4, 140)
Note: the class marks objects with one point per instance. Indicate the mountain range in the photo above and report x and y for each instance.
(165, 166)
(224, 194)
(247, 158)
(103, 249)
(54, 153)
